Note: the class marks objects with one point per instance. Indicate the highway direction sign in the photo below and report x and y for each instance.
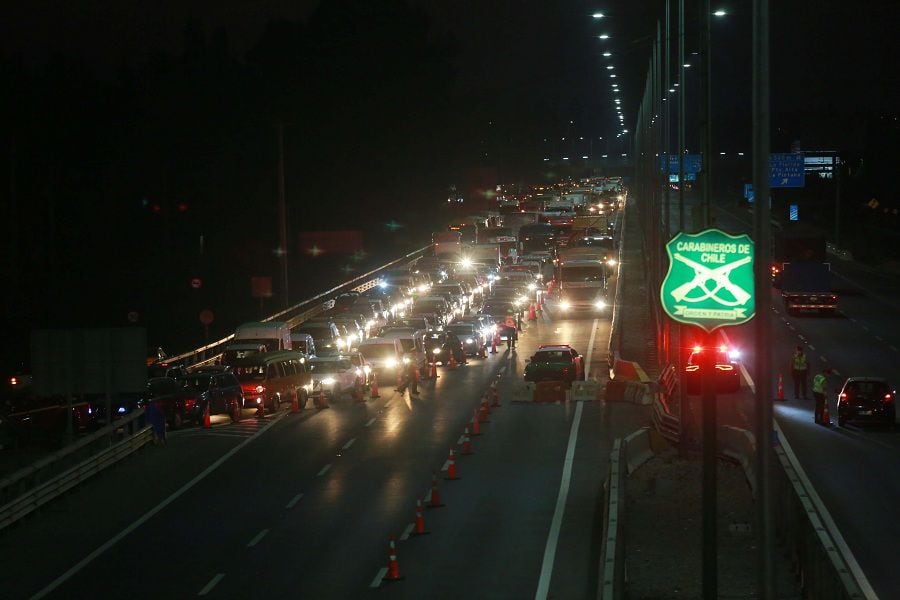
(786, 170)
(710, 279)
(692, 164)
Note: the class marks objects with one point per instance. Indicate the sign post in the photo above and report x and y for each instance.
(709, 284)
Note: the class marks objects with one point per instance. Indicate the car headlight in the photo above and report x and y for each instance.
(359, 372)
(405, 360)
(390, 363)
(532, 286)
(340, 343)
(565, 305)
(470, 341)
(328, 381)
(600, 304)
(611, 262)
(260, 389)
(436, 351)
(734, 354)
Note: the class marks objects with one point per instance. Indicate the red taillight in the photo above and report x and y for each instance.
(888, 398)
(692, 368)
(190, 403)
(842, 397)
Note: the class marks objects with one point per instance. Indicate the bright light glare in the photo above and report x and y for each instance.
(720, 13)
(328, 381)
(597, 15)
(604, 37)
(600, 304)
(565, 305)
(465, 263)
(382, 284)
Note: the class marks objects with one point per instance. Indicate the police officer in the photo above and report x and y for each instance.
(798, 372)
(820, 381)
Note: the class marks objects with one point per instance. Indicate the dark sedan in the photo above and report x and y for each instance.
(866, 399)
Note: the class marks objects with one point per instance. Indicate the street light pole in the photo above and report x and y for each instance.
(282, 217)
(681, 88)
(706, 94)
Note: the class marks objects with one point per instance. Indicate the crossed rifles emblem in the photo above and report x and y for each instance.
(719, 276)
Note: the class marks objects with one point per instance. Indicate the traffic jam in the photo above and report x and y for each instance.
(487, 273)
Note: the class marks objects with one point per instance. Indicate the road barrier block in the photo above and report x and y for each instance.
(615, 391)
(584, 390)
(521, 391)
(637, 393)
(638, 449)
(550, 391)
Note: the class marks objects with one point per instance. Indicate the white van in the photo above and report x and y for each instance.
(275, 335)
(385, 355)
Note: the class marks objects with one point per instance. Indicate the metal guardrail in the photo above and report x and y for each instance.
(298, 313)
(39, 493)
(667, 424)
(820, 566)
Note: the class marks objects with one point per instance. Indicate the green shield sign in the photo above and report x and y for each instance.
(710, 279)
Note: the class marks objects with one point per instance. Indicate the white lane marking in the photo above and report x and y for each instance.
(461, 439)
(823, 359)
(324, 470)
(553, 537)
(835, 533)
(894, 348)
(783, 319)
(590, 350)
(879, 338)
(446, 465)
(258, 537)
(152, 512)
(864, 328)
(801, 336)
(348, 444)
(774, 310)
(372, 420)
(378, 577)
(811, 347)
(212, 583)
(852, 320)
(406, 532)
(835, 372)
(294, 501)
(791, 327)
(387, 404)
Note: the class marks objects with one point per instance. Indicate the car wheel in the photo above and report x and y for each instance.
(302, 398)
(235, 412)
(276, 401)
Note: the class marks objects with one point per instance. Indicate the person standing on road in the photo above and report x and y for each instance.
(798, 372)
(819, 387)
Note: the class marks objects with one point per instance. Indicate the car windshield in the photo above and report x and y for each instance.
(585, 273)
(329, 366)
(552, 356)
(250, 373)
(460, 329)
(868, 389)
(377, 351)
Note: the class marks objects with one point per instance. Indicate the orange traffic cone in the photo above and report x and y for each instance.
(206, 423)
(531, 312)
(476, 425)
(780, 388)
(452, 363)
(295, 403)
(434, 369)
(494, 344)
(451, 467)
(540, 304)
(485, 405)
(467, 443)
(393, 573)
(826, 416)
(322, 402)
(435, 500)
(495, 395)
(420, 520)
(373, 387)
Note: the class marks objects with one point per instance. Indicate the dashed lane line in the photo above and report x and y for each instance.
(372, 420)
(811, 347)
(894, 348)
(378, 577)
(406, 532)
(294, 501)
(212, 583)
(256, 540)
(324, 470)
(152, 512)
(823, 359)
(348, 444)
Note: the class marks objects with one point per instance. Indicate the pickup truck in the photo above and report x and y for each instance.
(806, 286)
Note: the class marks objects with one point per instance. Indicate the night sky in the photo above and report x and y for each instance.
(138, 139)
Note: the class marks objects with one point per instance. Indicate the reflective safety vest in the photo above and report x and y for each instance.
(799, 362)
(819, 384)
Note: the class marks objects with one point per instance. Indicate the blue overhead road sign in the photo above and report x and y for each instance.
(786, 170)
(692, 164)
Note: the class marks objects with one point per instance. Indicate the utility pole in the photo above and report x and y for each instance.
(706, 95)
(282, 217)
(681, 124)
(667, 115)
(762, 233)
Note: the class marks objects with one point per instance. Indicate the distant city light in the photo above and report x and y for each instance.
(607, 54)
(720, 13)
(612, 75)
(598, 15)
(585, 157)
(687, 65)
(603, 36)
(610, 67)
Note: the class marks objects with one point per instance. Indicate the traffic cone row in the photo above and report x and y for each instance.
(475, 424)
(452, 363)
(467, 443)
(320, 401)
(495, 395)
(451, 467)
(420, 520)
(494, 344)
(393, 573)
(434, 500)
(434, 369)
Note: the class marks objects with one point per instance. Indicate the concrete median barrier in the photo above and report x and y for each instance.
(584, 391)
(550, 391)
(638, 449)
(521, 391)
(740, 446)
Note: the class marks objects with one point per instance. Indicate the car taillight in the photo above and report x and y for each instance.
(190, 403)
(888, 398)
(692, 368)
(842, 397)
(260, 389)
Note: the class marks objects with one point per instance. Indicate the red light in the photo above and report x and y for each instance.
(156, 208)
(888, 397)
(13, 381)
(697, 349)
(182, 207)
(190, 404)
(723, 348)
(842, 397)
